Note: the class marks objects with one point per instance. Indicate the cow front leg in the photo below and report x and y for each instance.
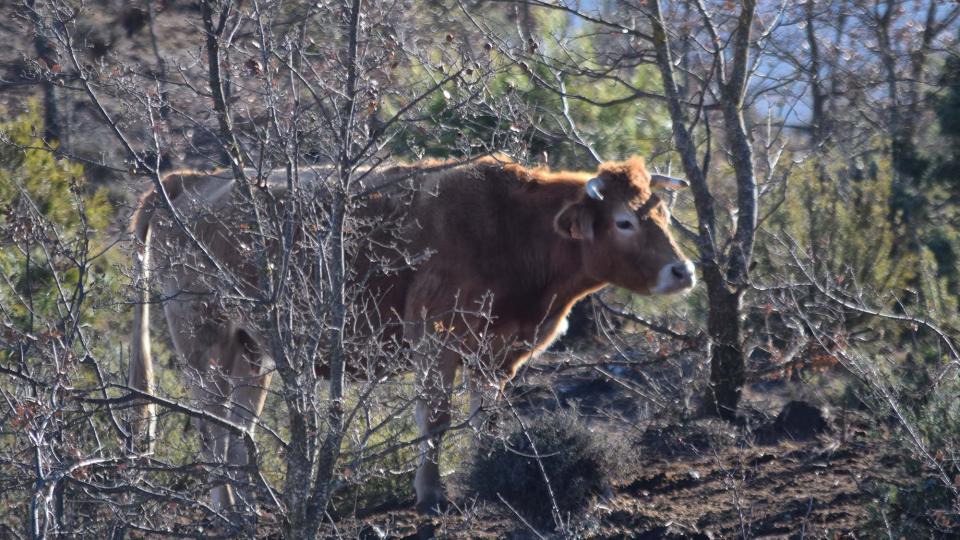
(433, 417)
(485, 391)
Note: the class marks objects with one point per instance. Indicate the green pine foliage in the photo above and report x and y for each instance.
(52, 224)
(838, 218)
(58, 305)
(517, 113)
(828, 207)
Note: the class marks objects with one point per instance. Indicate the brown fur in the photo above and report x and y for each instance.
(530, 239)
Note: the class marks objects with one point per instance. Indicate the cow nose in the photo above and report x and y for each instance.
(682, 271)
(674, 277)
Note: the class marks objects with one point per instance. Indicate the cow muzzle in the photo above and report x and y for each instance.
(675, 277)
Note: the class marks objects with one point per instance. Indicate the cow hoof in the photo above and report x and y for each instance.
(433, 506)
(426, 531)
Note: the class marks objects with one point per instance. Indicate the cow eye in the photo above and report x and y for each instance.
(624, 224)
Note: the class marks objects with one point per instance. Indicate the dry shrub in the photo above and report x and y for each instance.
(578, 462)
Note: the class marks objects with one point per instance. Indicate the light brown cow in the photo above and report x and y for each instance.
(529, 241)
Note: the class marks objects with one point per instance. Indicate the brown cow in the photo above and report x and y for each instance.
(529, 243)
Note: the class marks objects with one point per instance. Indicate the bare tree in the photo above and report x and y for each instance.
(711, 85)
(726, 265)
(271, 83)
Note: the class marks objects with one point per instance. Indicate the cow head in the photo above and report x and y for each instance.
(622, 229)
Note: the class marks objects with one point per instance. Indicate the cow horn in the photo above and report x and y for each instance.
(593, 187)
(661, 181)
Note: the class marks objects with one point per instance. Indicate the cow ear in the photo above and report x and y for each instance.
(575, 222)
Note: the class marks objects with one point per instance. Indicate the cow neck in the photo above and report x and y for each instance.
(564, 290)
(556, 267)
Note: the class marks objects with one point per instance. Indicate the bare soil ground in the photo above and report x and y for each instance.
(701, 479)
(813, 489)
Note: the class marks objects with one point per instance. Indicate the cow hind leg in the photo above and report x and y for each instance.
(201, 339)
(210, 389)
(433, 416)
(250, 375)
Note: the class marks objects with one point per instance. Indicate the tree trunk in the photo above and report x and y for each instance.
(726, 274)
(726, 357)
(46, 54)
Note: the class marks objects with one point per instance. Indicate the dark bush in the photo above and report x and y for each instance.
(928, 504)
(579, 463)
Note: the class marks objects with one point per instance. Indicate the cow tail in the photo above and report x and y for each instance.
(143, 419)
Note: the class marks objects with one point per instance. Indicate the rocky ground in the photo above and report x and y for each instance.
(792, 475)
(687, 487)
